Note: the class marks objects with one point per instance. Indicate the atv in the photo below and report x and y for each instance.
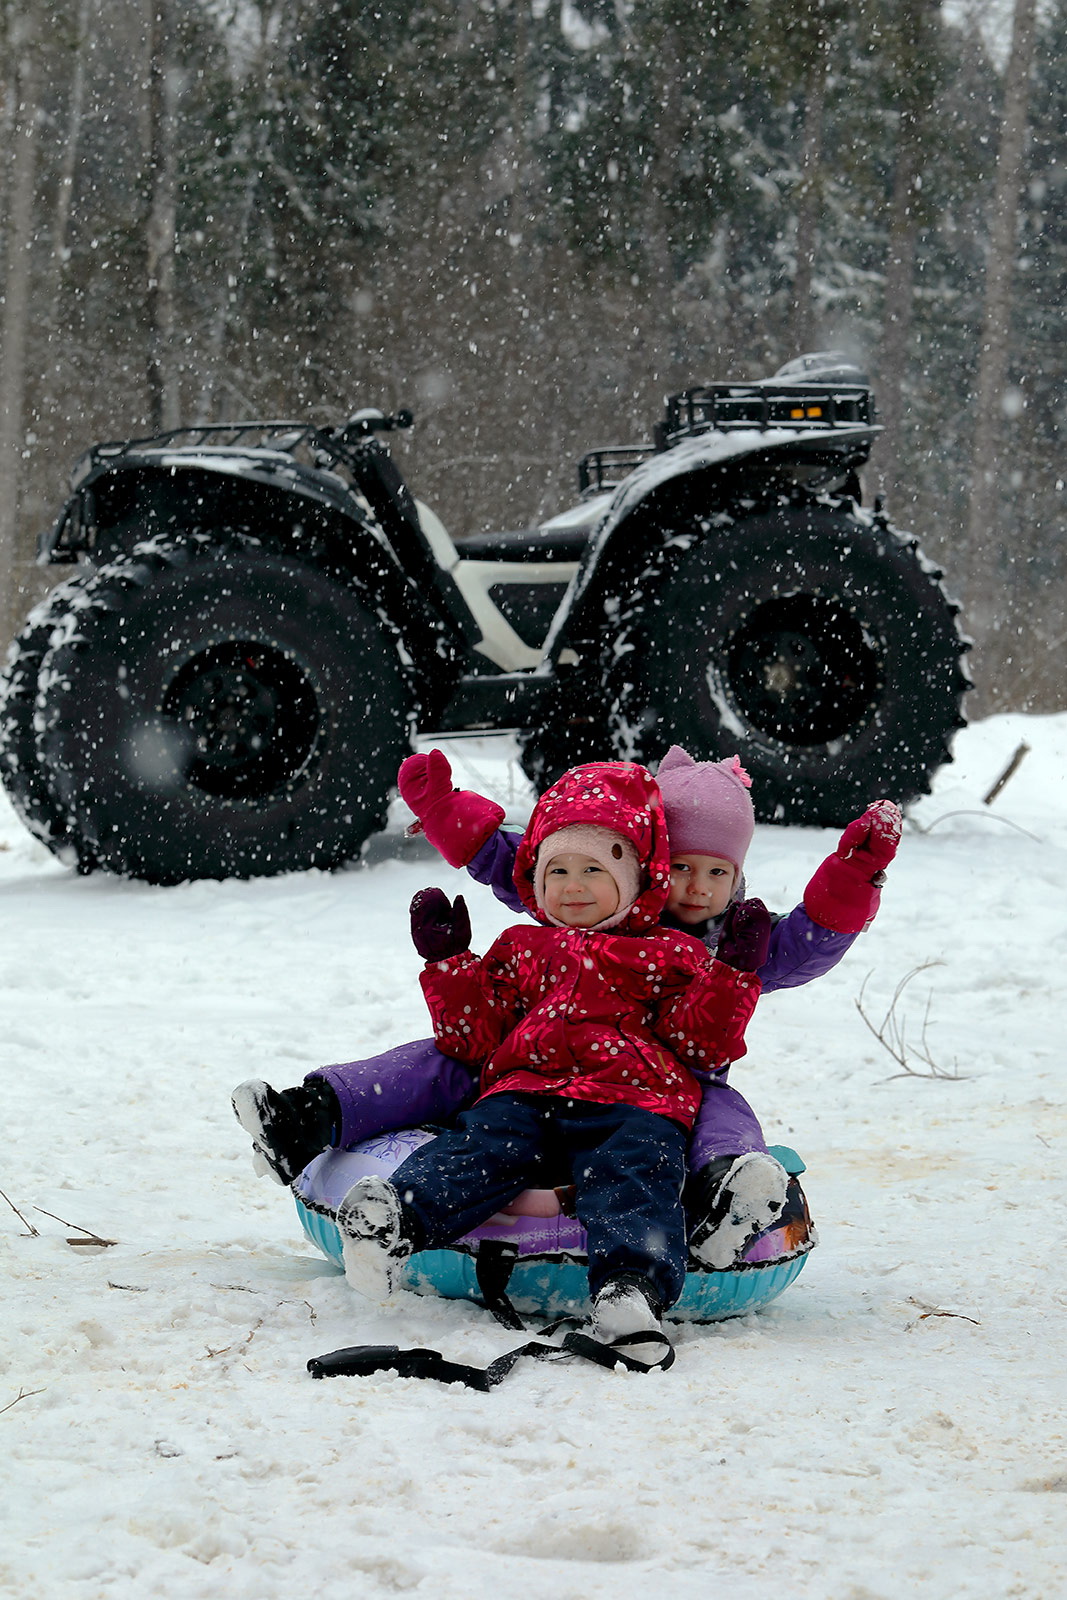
(263, 616)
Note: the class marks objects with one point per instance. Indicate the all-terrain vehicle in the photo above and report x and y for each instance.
(263, 616)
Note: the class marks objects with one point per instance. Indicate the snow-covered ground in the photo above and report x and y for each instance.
(893, 1426)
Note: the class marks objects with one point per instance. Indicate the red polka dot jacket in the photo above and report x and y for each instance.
(630, 1015)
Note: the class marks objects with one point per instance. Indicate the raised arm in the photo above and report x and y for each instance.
(845, 892)
(839, 903)
(457, 822)
(472, 1007)
(463, 826)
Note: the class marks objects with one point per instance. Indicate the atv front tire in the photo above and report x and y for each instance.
(813, 641)
(218, 711)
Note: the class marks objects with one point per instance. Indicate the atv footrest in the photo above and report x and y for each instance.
(500, 700)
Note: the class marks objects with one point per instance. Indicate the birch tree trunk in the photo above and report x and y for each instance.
(665, 66)
(802, 310)
(897, 299)
(161, 373)
(915, 72)
(995, 348)
(16, 308)
(69, 164)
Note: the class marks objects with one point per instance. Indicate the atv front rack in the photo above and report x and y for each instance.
(727, 408)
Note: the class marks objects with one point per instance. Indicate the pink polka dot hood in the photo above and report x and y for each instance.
(622, 798)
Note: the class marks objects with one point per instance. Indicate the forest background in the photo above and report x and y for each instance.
(530, 220)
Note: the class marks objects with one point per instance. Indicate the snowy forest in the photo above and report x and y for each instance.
(529, 221)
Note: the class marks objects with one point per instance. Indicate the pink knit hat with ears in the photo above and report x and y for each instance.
(706, 806)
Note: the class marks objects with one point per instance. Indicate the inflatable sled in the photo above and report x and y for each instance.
(538, 1260)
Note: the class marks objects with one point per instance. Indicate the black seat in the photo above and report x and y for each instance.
(526, 544)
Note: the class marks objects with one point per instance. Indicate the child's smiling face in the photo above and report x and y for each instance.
(579, 892)
(701, 887)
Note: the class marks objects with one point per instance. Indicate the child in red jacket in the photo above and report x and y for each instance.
(585, 1030)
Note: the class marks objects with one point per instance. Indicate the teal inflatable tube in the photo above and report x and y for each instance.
(548, 1271)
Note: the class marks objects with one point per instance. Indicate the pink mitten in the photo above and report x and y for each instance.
(844, 893)
(457, 822)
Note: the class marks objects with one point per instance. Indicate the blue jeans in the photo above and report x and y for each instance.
(627, 1165)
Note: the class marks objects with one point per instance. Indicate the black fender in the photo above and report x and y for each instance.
(710, 474)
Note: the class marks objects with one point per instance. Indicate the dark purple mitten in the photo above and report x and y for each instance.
(746, 936)
(438, 928)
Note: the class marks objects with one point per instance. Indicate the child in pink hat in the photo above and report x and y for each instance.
(736, 1187)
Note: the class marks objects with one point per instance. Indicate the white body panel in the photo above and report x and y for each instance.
(499, 643)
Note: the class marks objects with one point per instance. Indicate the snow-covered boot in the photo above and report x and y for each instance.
(375, 1245)
(733, 1199)
(288, 1127)
(626, 1308)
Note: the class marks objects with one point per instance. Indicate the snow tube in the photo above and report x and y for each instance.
(547, 1252)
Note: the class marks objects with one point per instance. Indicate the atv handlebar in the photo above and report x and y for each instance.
(364, 423)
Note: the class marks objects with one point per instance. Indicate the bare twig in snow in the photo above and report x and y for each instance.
(1021, 752)
(23, 1394)
(926, 1310)
(91, 1238)
(989, 816)
(892, 1034)
(34, 1233)
(210, 1354)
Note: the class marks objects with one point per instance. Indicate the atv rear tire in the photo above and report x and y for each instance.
(21, 771)
(815, 642)
(221, 711)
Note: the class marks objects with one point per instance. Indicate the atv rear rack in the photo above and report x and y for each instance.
(606, 469)
(272, 435)
(276, 435)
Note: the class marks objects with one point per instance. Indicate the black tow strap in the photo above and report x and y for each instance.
(360, 1360)
(493, 1267)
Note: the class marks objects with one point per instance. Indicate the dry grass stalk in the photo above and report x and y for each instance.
(91, 1239)
(31, 1231)
(892, 1034)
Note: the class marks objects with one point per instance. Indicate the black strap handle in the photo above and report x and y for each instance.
(614, 1354)
(360, 1360)
(493, 1266)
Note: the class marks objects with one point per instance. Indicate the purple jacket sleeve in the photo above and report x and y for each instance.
(801, 950)
(494, 866)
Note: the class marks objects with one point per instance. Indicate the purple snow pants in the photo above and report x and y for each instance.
(415, 1083)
